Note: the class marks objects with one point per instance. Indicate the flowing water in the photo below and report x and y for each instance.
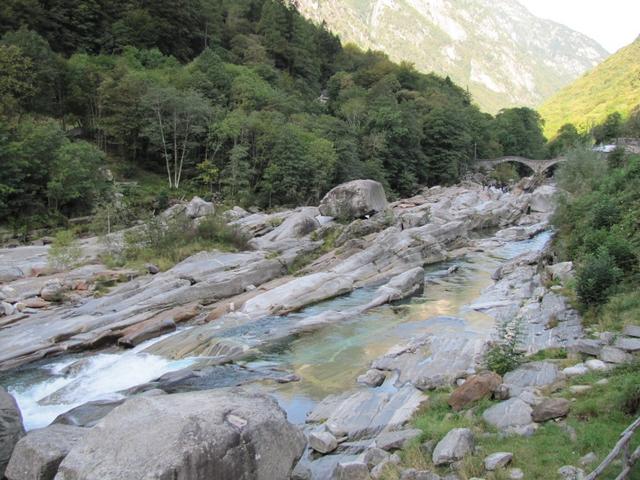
(327, 361)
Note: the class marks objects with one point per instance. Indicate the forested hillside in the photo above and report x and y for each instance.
(130, 103)
(613, 86)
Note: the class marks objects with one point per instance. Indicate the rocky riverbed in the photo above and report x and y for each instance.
(404, 298)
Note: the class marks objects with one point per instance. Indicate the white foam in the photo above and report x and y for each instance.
(100, 378)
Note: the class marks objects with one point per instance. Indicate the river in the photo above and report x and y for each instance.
(327, 360)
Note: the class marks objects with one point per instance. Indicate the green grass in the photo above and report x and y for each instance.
(548, 354)
(597, 417)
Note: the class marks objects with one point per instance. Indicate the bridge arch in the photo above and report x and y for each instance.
(537, 166)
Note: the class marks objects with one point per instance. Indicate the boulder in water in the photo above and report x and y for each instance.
(11, 429)
(209, 434)
(354, 199)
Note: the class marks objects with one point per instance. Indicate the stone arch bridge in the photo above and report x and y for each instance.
(538, 166)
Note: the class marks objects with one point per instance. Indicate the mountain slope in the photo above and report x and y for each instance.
(503, 53)
(612, 86)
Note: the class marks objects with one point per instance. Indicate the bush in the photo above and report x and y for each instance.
(622, 252)
(605, 214)
(616, 159)
(64, 252)
(505, 356)
(596, 279)
(167, 241)
(214, 228)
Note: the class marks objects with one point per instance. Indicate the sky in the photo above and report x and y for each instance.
(612, 23)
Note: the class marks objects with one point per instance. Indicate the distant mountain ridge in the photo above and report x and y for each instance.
(504, 54)
(612, 86)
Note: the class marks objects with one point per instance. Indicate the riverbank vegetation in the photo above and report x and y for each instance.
(597, 225)
(596, 419)
(246, 102)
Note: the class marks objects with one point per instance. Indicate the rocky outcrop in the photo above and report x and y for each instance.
(435, 360)
(11, 429)
(354, 199)
(342, 413)
(211, 434)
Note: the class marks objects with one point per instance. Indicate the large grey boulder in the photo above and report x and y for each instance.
(38, 455)
(215, 434)
(455, 445)
(198, 207)
(354, 199)
(512, 413)
(11, 429)
(542, 199)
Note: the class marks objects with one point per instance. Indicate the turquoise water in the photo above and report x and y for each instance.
(327, 361)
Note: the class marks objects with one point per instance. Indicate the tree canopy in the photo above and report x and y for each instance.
(244, 100)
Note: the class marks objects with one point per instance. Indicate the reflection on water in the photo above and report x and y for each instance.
(327, 361)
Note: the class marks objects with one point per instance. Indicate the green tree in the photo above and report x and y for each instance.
(610, 129)
(16, 83)
(26, 156)
(175, 122)
(77, 179)
(46, 75)
(519, 131)
(275, 27)
(567, 138)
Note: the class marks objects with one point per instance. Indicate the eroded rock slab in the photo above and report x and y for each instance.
(386, 411)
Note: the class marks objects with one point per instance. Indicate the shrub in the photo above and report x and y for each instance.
(166, 241)
(64, 252)
(605, 214)
(622, 252)
(214, 228)
(505, 355)
(616, 159)
(596, 279)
